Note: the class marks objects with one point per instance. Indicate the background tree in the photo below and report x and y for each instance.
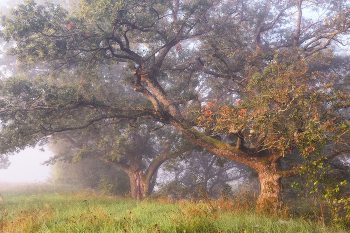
(201, 174)
(89, 173)
(136, 150)
(93, 174)
(258, 52)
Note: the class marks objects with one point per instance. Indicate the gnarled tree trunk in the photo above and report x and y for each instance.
(138, 187)
(141, 186)
(271, 191)
(142, 183)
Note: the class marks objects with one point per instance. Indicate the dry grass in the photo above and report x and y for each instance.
(88, 211)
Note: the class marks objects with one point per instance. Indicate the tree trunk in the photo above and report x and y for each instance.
(270, 198)
(139, 189)
(268, 167)
(140, 186)
(152, 183)
(141, 183)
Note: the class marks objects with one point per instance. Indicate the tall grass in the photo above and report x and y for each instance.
(53, 209)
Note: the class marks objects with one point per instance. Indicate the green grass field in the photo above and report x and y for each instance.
(47, 209)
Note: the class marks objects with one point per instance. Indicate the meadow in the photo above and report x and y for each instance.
(48, 208)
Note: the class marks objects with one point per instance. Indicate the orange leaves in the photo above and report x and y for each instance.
(309, 150)
(331, 127)
(70, 25)
(293, 105)
(210, 105)
(225, 112)
(221, 119)
(207, 112)
(242, 112)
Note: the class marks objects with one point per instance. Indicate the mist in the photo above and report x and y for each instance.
(27, 167)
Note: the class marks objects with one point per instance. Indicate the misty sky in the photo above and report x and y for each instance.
(26, 167)
(3, 1)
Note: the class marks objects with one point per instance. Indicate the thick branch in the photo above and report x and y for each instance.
(215, 146)
(123, 167)
(146, 93)
(260, 142)
(297, 33)
(155, 164)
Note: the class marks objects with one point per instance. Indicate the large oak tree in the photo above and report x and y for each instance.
(179, 56)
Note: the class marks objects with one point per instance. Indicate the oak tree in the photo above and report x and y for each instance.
(136, 150)
(258, 71)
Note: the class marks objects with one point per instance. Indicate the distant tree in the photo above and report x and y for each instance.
(92, 173)
(89, 173)
(201, 174)
(136, 150)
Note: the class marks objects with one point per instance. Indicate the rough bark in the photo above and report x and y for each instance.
(267, 167)
(270, 198)
(142, 183)
(138, 188)
(152, 183)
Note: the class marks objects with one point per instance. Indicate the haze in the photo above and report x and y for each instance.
(26, 167)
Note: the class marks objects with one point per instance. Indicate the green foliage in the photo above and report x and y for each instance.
(104, 186)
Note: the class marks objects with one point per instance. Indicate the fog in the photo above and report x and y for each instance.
(26, 167)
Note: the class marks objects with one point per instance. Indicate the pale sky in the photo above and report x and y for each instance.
(26, 167)
(3, 1)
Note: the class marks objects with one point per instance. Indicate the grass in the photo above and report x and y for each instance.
(48, 209)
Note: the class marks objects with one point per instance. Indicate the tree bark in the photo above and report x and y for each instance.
(140, 181)
(140, 186)
(271, 190)
(139, 189)
(152, 183)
